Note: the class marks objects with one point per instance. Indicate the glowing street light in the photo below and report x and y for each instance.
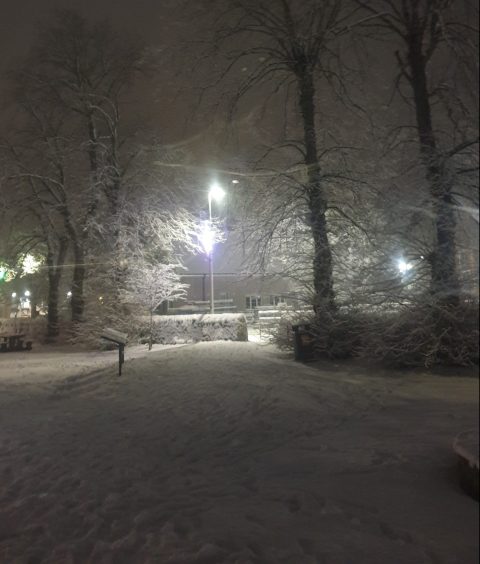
(27, 293)
(207, 235)
(403, 266)
(216, 193)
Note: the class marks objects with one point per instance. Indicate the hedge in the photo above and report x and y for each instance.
(176, 329)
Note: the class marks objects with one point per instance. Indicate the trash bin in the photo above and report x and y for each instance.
(303, 342)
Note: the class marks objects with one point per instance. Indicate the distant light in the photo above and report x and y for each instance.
(206, 237)
(100, 298)
(69, 294)
(14, 294)
(403, 266)
(216, 192)
(235, 181)
(27, 293)
(30, 264)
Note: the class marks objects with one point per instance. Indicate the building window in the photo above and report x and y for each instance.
(275, 299)
(252, 302)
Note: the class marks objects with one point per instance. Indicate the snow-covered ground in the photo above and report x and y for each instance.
(44, 364)
(229, 452)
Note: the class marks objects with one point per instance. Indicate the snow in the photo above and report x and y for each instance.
(174, 329)
(46, 364)
(229, 452)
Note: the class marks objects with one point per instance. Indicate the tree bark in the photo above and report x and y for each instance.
(444, 278)
(77, 303)
(150, 339)
(54, 277)
(322, 261)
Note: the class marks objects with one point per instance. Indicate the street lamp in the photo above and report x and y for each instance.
(403, 266)
(216, 193)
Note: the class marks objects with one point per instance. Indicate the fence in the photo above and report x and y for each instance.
(267, 318)
(200, 306)
(34, 328)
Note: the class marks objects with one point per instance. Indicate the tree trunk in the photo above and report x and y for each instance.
(150, 341)
(77, 303)
(322, 260)
(53, 328)
(54, 277)
(444, 279)
(445, 284)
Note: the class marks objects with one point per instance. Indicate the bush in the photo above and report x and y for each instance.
(282, 333)
(425, 336)
(173, 329)
(342, 334)
(420, 335)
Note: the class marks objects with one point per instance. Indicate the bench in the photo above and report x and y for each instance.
(10, 342)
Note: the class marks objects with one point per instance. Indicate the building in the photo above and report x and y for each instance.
(234, 289)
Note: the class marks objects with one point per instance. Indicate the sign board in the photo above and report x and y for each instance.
(118, 338)
(115, 336)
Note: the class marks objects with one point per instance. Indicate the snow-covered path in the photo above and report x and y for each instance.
(229, 452)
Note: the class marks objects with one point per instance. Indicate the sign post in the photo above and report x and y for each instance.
(120, 339)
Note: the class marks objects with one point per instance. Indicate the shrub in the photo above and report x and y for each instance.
(419, 335)
(424, 336)
(172, 329)
(282, 333)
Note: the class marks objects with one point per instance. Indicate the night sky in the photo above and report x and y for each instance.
(167, 104)
(152, 19)
(164, 102)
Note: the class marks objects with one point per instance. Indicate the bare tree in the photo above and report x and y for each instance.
(150, 285)
(98, 193)
(432, 37)
(131, 280)
(81, 71)
(291, 45)
(35, 190)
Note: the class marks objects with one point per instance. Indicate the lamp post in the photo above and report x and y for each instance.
(216, 193)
